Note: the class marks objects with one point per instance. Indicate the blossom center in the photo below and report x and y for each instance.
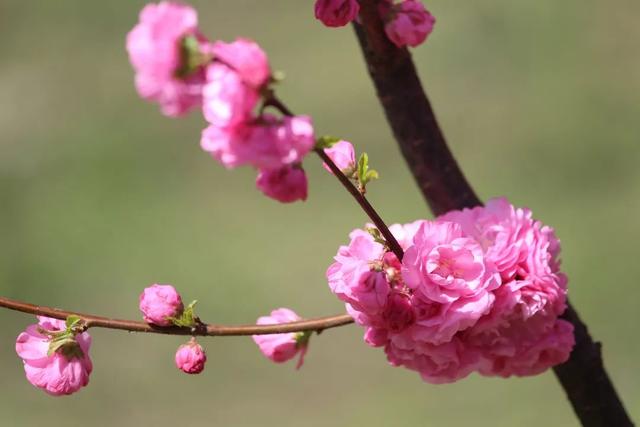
(447, 264)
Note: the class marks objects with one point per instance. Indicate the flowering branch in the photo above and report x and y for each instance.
(364, 204)
(393, 244)
(201, 329)
(409, 113)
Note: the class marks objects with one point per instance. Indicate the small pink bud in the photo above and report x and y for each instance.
(336, 13)
(280, 348)
(343, 155)
(407, 23)
(190, 357)
(158, 303)
(287, 184)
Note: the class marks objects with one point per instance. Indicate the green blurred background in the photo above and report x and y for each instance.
(101, 196)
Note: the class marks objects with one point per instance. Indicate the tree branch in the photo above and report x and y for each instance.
(92, 321)
(411, 118)
(393, 244)
(202, 329)
(364, 204)
(409, 113)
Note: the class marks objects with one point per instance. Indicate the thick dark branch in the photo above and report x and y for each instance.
(411, 118)
(92, 321)
(586, 382)
(416, 130)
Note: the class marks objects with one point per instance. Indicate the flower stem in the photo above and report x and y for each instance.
(92, 321)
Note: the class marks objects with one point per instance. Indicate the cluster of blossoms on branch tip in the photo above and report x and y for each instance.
(179, 68)
(406, 23)
(478, 290)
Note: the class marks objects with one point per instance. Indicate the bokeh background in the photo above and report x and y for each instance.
(101, 196)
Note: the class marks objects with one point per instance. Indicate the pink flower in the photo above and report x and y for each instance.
(524, 353)
(279, 142)
(437, 364)
(525, 252)
(270, 143)
(228, 145)
(164, 49)
(158, 303)
(444, 265)
(190, 357)
(355, 278)
(246, 58)
(343, 155)
(522, 334)
(404, 233)
(399, 313)
(477, 290)
(336, 13)
(282, 347)
(227, 101)
(65, 371)
(287, 184)
(407, 23)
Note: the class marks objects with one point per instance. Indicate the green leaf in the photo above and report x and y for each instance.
(191, 59)
(377, 236)
(326, 141)
(277, 76)
(363, 168)
(72, 321)
(371, 175)
(66, 345)
(188, 318)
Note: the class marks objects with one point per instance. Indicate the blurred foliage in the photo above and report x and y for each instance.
(100, 196)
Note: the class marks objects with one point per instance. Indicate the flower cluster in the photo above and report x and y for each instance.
(161, 305)
(406, 23)
(181, 69)
(478, 290)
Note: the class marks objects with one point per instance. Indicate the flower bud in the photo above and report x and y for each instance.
(336, 13)
(159, 303)
(287, 184)
(190, 357)
(407, 23)
(343, 155)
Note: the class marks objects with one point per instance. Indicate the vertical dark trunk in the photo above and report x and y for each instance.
(444, 186)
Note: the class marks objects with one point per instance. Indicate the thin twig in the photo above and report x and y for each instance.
(393, 244)
(364, 204)
(92, 321)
